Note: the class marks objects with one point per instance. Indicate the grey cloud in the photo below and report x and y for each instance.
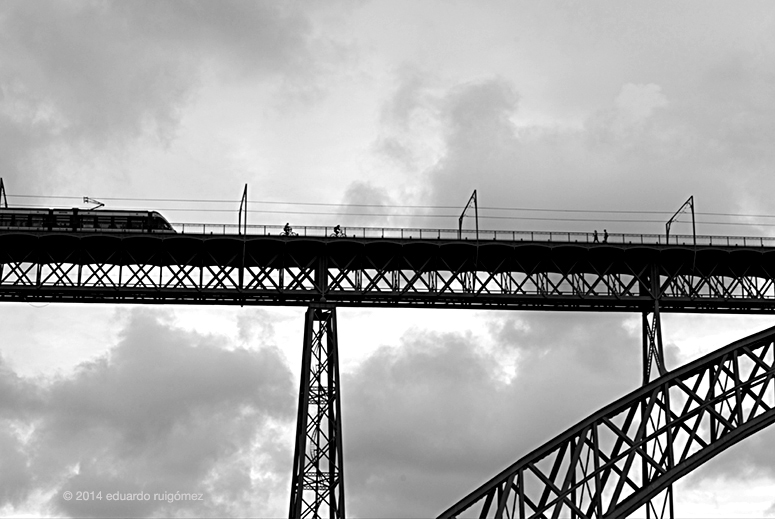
(437, 410)
(257, 37)
(16, 477)
(20, 402)
(396, 151)
(480, 142)
(165, 411)
(750, 459)
(411, 107)
(77, 76)
(409, 415)
(646, 136)
(410, 94)
(579, 334)
(19, 397)
(366, 193)
(700, 125)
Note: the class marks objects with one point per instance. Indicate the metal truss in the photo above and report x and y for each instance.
(268, 270)
(317, 485)
(621, 457)
(659, 506)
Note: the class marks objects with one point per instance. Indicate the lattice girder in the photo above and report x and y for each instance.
(317, 482)
(621, 457)
(360, 272)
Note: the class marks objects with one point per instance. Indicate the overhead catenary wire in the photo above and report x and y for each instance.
(327, 204)
(397, 207)
(422, 215)
(385, 206)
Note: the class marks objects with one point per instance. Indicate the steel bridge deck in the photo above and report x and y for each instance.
(392, 272)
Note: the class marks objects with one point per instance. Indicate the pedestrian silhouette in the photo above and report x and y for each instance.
(605, 235)
(594, 237)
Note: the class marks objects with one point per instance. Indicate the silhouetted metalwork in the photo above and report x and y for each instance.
(242, 216)
(621, 457)
(690, 204)
(463, 214)
(317, 486)
(97, 203)
(659, 506)
(350, 271)
(3, 197)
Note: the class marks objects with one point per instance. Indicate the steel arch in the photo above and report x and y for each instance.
(618, 459)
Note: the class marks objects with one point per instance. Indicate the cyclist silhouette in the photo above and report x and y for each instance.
(338, 231)
(288, 230)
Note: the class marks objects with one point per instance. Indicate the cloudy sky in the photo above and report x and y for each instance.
(556, 105)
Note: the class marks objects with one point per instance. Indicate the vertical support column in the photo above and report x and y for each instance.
(660, 450)
(653, 353)
(317, 485)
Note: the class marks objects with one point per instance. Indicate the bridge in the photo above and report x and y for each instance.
(392, 267)
(389, 267)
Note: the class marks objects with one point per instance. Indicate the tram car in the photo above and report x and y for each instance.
(79, 220)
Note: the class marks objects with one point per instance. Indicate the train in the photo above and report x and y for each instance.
(80, 220)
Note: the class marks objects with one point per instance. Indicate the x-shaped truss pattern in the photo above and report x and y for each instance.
(620, 458)
(317, 488)
(239, 270)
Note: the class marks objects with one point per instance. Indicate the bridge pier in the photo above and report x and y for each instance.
(317, 485)
(658, 416)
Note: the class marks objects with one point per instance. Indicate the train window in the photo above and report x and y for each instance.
(61, 221)
(134, 223)
(95, 221)
(157, 222)
(119, 222)
(90, 221)
(38, 221)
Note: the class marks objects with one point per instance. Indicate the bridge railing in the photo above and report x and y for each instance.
(417, 233)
